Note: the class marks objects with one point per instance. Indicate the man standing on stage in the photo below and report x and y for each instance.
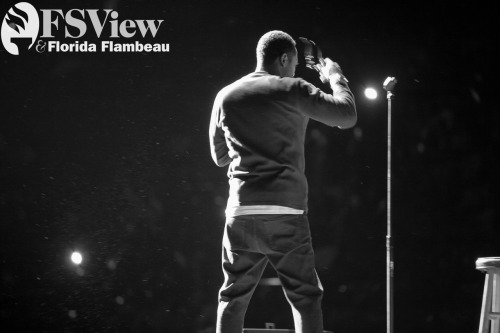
(257, 127)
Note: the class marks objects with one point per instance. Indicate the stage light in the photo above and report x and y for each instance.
(72, 314)
(371, 93)
(270, 282)
(76, 258)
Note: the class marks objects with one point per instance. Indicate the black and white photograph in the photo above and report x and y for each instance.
(249, 166)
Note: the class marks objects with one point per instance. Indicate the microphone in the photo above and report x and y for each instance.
(390, 83)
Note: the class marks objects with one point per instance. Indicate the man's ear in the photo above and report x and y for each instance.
(283, 59)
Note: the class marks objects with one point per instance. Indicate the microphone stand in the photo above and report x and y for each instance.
(389, 85)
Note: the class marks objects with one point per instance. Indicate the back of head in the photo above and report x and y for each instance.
(272, 45)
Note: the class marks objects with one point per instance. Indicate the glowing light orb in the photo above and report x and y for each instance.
(371, 93)
(76, 258)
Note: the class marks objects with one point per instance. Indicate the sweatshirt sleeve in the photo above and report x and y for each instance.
(336, 109)
(218, 146)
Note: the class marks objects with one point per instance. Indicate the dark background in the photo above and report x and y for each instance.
(107, 154)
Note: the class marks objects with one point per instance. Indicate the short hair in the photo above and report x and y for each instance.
(272, 45)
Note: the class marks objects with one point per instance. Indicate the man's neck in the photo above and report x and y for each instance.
(268, 69)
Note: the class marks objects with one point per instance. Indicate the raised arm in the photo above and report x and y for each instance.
(335, 109)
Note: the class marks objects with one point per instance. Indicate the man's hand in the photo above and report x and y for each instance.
(330, 71)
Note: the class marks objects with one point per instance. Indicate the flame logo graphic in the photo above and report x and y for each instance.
(16, 19)
(20, 28)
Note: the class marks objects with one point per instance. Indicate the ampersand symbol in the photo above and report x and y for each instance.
(40, 48)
